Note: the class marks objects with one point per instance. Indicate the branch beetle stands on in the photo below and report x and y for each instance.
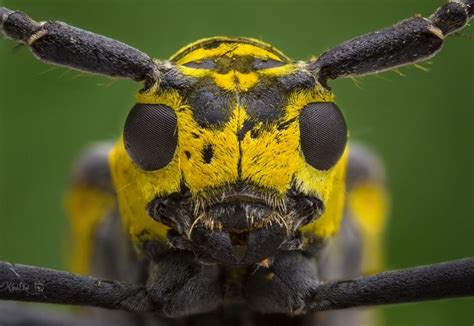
(232, 187)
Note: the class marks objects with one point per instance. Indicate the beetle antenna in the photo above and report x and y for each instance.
(410, 41)
(60, 44)
(438, 281)
(37, 284)
(430, 282)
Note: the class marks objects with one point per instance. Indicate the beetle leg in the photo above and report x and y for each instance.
(283, 286)
(181, 286)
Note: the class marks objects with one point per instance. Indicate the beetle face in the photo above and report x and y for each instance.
(236, 153)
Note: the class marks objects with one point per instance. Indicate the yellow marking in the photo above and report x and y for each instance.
(36, 36)
(246, 81)
(235, 80)
(330, 187)
(368, 203)
(225, 81)
(86, 207)
(229, 50)
(436, 31)
(230, 46)
(274, 157)
(279, 71)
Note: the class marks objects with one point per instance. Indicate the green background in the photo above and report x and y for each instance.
(420, 123)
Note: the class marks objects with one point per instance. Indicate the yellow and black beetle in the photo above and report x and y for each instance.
(233, 166)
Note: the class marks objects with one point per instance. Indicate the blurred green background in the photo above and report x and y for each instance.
(421, 123)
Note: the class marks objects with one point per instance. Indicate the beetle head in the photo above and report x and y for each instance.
(237, 150)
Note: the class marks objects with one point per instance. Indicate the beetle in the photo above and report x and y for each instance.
(197, 213)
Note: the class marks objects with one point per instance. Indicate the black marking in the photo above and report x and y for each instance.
(224, 64)
(207, 153)
(203, 64)
(212, 107)
(254, 133)
(297, 80)
(211, 45)
(243, 64)
(265, 102)
(188, 154)
(268, 63)
(172, 79)
(247, 126)
(285, 125)
(194, 135)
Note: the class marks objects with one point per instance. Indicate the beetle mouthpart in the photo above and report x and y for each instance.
(233, 248)
(238, 216)
(239, 241)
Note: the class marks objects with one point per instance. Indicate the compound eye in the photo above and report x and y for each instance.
(323, 134)
(150, 135)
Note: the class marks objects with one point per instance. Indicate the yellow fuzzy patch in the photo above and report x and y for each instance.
(331, 187)
(86, 207)
(368, 203)
(136, 188)
(274, 157)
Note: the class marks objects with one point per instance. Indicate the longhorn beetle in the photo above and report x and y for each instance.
(230, 179)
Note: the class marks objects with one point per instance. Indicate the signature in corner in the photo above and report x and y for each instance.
(20, 287)
(15, 287)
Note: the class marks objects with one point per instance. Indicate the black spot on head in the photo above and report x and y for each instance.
(285, 125)
(212, 45)
(224, 64)
(244, 64)
(265, 102)
(247, 126)
(194, 135)
(207, 153)
(265, 64)
(202, 64)
(254, 133)
(188, 154)
(211, 106)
